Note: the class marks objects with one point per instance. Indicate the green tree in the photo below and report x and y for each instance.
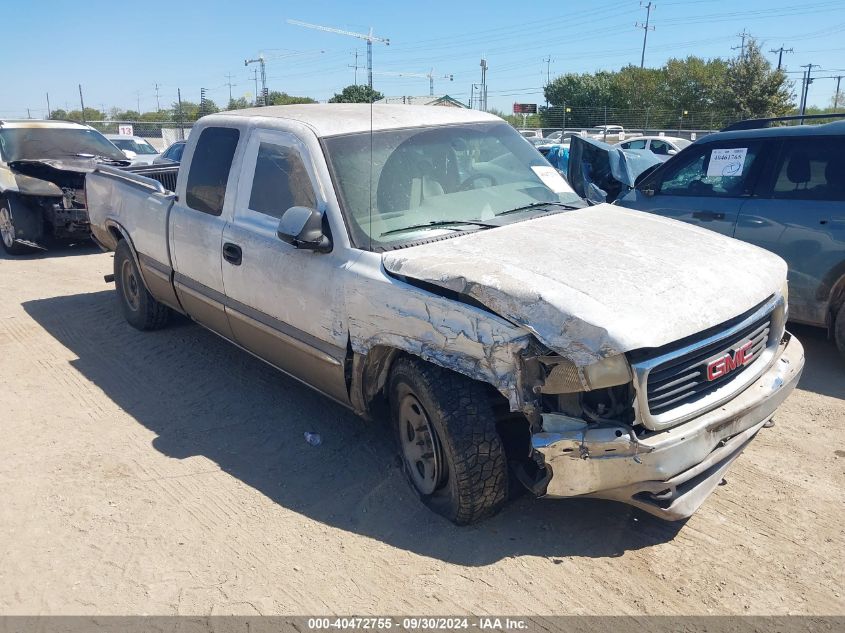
(753, 88)
(191, 110)
(124, 115)
(91, 114)
(58, 113)
(282, 98)
(356, 94)
(238, 104)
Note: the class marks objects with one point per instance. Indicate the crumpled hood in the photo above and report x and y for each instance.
(599, 281)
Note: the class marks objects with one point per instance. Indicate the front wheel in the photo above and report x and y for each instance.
(141, 310)
(7, 231)
(446, 434)
(839, 330)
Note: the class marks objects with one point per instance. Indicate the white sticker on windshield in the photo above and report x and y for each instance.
(552, 179)
(727, 162)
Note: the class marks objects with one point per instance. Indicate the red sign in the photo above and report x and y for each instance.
(525, 108)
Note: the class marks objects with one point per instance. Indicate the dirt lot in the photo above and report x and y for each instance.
(166, 473)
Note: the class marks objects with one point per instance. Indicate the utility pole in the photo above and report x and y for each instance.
(28, 114)
(548, 61)
(158, 103)
(780, 51)
(806, 88)
(255, 79)
(645, 27)
(741, 47)
(48, 105)
(179, 116)
(835, 94)
(367, 37)
(355, 66)
(260, 61)
(230, 84)
(202, 101)
(81, 103)
(482, 97)
(138, 101)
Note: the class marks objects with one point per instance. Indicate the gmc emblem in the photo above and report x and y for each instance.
(727, 363)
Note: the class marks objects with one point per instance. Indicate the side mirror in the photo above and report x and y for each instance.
(303, 228)
(129, 153)
(672, 152)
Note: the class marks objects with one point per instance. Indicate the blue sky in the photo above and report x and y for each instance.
(118, 54)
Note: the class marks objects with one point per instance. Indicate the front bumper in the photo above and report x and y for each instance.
(667, 473)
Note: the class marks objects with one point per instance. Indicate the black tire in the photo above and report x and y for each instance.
(139, 307)
(839, 330)
(461, 469)
(7, 231)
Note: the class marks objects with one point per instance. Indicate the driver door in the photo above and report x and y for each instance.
(706, 186)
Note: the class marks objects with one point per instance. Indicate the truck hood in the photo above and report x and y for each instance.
(600, 281)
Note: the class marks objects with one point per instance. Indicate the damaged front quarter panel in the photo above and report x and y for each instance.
(441, 330)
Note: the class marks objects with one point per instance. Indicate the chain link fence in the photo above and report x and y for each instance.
(160, 134)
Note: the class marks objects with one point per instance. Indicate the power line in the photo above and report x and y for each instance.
(646, 28)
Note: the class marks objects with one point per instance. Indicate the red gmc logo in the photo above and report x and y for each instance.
(727, 363)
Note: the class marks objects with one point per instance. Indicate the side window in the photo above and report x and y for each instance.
(811, 169)
(638, 144)
(176, 152)
(661, 148)
(210, 167)
(712, 170)
(281, 181)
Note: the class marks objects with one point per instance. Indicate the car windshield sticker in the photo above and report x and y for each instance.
(552, 179)
(727, 162)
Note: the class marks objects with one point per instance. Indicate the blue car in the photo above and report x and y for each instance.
(781, 188)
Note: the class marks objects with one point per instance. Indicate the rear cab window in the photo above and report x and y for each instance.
(209, 170)
(726, 169)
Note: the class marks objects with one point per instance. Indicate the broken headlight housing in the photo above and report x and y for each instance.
(563, 376)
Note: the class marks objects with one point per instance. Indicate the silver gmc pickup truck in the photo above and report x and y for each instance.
(428, 265)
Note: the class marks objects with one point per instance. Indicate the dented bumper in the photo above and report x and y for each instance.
(667, 473)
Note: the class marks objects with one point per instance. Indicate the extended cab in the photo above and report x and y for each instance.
(431, 260)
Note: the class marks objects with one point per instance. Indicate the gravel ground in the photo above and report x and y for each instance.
(167, 473)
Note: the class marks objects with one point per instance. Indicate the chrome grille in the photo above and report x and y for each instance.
(684, 379)
(671, 382)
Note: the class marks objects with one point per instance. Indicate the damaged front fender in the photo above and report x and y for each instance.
(454, 335)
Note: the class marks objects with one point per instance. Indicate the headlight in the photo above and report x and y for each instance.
(565, 377)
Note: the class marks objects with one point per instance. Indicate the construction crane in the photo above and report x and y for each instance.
(369, 38)
(429, 75)
(262, 61)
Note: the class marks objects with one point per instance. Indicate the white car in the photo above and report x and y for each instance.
(136, 149)
(661, 146)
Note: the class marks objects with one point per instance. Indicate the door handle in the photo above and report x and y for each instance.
(708, 215)
(232, 253)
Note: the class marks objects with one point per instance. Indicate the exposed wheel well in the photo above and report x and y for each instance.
(371, 373)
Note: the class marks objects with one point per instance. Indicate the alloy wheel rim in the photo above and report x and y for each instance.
(7, 229)
(420, 445)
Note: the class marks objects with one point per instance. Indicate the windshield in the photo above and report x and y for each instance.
(427, 182)
(134, 145)
(54, 142)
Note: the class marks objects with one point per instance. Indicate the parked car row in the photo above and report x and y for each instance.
(518, 338)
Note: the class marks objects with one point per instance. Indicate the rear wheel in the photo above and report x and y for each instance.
(7, 230)
(140, 309)
(839, 330)
(446, 434)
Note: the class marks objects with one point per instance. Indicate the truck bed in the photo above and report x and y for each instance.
(133, 202)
